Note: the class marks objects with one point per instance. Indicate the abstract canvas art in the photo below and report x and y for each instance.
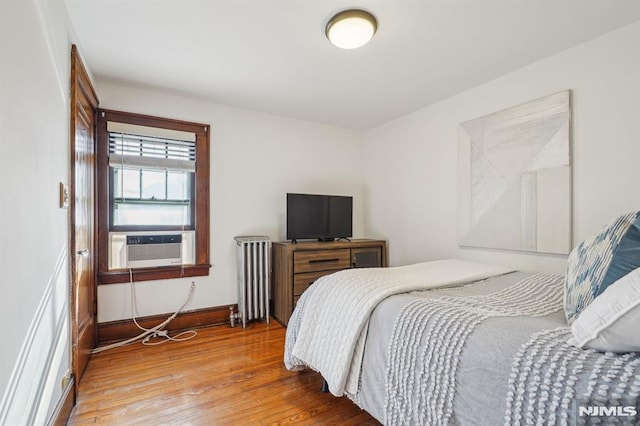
(514, 178)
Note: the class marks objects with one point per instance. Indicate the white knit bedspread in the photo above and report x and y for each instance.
(329, 334)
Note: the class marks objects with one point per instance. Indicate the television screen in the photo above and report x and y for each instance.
(323, 217)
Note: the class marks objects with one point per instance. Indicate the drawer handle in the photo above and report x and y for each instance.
(323, 260)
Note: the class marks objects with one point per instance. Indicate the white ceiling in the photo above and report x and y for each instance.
(272, 55)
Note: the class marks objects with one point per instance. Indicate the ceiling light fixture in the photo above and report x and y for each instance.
(351, 29)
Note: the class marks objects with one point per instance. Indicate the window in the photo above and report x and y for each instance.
(150, 179)
(153, 180)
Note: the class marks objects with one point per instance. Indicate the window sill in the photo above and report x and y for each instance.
(149, 274)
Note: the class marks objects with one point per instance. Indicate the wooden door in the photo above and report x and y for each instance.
(84, 104)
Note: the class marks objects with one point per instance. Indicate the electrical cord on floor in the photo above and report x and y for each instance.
(157, 331)
(163, 333)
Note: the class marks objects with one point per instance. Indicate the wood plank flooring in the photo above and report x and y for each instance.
(223, 376)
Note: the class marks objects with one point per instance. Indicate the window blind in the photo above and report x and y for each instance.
(151, 148)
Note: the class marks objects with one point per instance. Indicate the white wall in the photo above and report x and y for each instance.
(34, 120)
(410, 164)
(256, 158)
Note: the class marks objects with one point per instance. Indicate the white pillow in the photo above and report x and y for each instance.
(612, 321)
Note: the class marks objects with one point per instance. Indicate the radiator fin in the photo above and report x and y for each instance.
(254, 269)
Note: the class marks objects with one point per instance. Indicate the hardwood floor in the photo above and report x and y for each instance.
(223, 376)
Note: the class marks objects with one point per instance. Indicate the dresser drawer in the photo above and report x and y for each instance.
(297, 265)
(321, 260)
(302, 281)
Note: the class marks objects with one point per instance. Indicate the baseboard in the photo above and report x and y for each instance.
(64, 406)
(125, 329)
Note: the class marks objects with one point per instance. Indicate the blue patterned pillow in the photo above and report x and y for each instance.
(600, 261)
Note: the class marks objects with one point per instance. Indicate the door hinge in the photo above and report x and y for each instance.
(95, 307)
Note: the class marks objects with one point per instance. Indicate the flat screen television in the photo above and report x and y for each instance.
(322, 217)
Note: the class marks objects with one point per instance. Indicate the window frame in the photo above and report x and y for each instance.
(199, 192)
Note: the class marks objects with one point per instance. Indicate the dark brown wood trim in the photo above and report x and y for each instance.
(125, 329)
(152, 121)
(81, 89)
(85, 82)
(202, 198)
(147, 274)
(62, 411)
(102, 194)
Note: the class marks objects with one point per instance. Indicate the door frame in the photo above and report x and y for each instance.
(80, 83)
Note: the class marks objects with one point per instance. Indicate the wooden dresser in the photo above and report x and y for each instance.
(297, 266)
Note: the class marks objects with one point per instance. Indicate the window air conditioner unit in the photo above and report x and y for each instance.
(154, 250)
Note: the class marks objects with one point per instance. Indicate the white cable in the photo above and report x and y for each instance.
(157, 330)
(134, 302)
(168, 338)
(165, 333)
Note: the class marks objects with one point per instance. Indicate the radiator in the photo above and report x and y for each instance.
(254, 268)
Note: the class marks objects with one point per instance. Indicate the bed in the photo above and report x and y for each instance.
(457, 342)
